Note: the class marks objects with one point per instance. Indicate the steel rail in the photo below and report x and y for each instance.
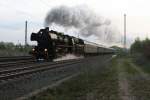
(18, 72)
(32, 66)
(14, 58)
(7, 64)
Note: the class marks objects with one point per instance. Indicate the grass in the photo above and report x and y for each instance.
(139, 85)
(8, 52)
(128, 67)
(142, 62)
(10, 49)
(100, 84)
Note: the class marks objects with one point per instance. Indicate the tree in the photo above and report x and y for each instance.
(136, 47)
(141, 47)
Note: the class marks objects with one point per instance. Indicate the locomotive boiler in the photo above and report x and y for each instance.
(52, 44)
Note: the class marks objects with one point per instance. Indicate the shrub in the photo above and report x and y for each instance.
(141, 48)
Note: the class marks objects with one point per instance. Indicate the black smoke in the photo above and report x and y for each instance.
(84, 20)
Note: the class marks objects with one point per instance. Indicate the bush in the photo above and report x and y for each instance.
(10, 49)
(141, 48)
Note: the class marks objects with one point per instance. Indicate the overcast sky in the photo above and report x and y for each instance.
(13, 14)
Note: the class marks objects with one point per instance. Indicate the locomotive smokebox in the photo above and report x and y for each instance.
(34, 37)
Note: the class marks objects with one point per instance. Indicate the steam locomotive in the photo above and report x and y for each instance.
(52, 44)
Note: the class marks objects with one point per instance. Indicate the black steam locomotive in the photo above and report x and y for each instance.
(52, 44)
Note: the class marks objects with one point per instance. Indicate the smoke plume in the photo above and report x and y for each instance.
(84, 20)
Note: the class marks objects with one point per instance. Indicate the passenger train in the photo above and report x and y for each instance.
(52, 44)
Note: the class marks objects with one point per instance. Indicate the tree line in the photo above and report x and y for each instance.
(141, 47)
(11, 49)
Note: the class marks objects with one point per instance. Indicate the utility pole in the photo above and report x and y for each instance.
(26, 23)
(124, 31)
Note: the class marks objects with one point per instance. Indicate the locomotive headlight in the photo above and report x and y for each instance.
(45, 50)
(33, 49)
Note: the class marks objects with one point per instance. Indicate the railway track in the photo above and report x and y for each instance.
(22, 81)
(14, 58)
(12, 62)
(19, 72)
(15, 63)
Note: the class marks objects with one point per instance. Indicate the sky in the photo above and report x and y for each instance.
(14, 13)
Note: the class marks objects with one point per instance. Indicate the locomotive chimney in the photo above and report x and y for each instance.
(47, 29)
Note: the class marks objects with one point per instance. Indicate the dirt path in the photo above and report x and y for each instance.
(123, 81)
(133, 81)
(140, 83)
